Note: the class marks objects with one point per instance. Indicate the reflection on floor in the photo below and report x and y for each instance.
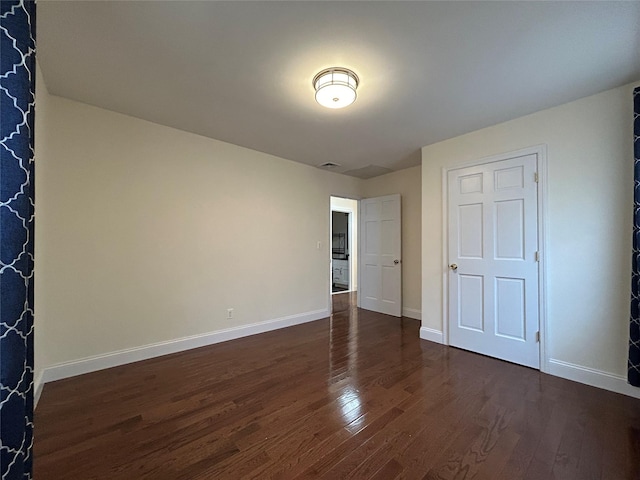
(343, 302)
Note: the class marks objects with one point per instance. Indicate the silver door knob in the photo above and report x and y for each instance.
(453, 266)
(396, 261)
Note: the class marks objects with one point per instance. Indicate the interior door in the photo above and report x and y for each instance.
(493, 269)
(380, 264)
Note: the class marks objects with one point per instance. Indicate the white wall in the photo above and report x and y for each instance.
(147, 234)
(590, 168)
(407, 183)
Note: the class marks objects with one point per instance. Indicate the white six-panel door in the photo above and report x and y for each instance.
(380, 267)
(493, 268)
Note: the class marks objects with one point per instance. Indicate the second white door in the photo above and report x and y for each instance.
(380, 267)
(493, 269)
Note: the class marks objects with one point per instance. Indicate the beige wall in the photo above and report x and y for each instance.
(43, 122)
(590, 186)
(407, 183)
(147, 234)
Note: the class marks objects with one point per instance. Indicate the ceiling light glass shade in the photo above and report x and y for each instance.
(335, 87)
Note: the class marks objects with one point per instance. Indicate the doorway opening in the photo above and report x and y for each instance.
(344, 245)
(340, 252)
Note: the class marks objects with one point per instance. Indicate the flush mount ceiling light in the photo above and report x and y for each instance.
(335, 87)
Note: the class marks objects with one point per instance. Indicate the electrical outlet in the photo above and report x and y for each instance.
(229, 313)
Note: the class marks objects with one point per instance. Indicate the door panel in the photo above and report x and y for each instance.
(470, 183)
(471, 302)
(470, 231)
(509, 178)
(509, 221)
(389, 293)
(381, 270)
(371, 237)
(510, 312)
(493, 231)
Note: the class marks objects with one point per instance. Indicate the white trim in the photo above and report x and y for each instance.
(591, 376)
(542, 249)
(445, 256)
(136, 354)
(38, 384)
(411, 313)
(359, 259)
(541, 160)
(330, 253)
(431, 334)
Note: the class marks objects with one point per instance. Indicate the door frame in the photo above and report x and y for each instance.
(541, 154)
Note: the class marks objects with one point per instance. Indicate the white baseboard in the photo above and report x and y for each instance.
(411, 313)
(38, 383)
(431, 334)
(130, 355)
(593, 377)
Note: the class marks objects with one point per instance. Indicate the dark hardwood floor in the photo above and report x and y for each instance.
(355, 396)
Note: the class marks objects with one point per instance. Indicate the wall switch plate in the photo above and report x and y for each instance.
(229, 313)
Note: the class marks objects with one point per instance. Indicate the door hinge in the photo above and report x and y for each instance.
(538, 336)
(535, 177)
(537, 256)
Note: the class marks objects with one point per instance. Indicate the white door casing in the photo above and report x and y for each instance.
(493, 265)
(380, 261)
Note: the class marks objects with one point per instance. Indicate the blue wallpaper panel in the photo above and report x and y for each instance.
(17, 108)
(634, 333)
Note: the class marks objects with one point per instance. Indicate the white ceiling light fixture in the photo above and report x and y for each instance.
(335, 87)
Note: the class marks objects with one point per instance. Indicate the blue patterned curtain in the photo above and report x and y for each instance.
(634, 333)
(17, 95)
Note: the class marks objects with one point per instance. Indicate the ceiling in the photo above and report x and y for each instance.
(241, 71)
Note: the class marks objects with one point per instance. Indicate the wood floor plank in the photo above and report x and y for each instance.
(569, 449)
(357, 395)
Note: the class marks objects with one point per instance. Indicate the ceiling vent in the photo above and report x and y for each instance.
(329, 165)
(369, 171)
